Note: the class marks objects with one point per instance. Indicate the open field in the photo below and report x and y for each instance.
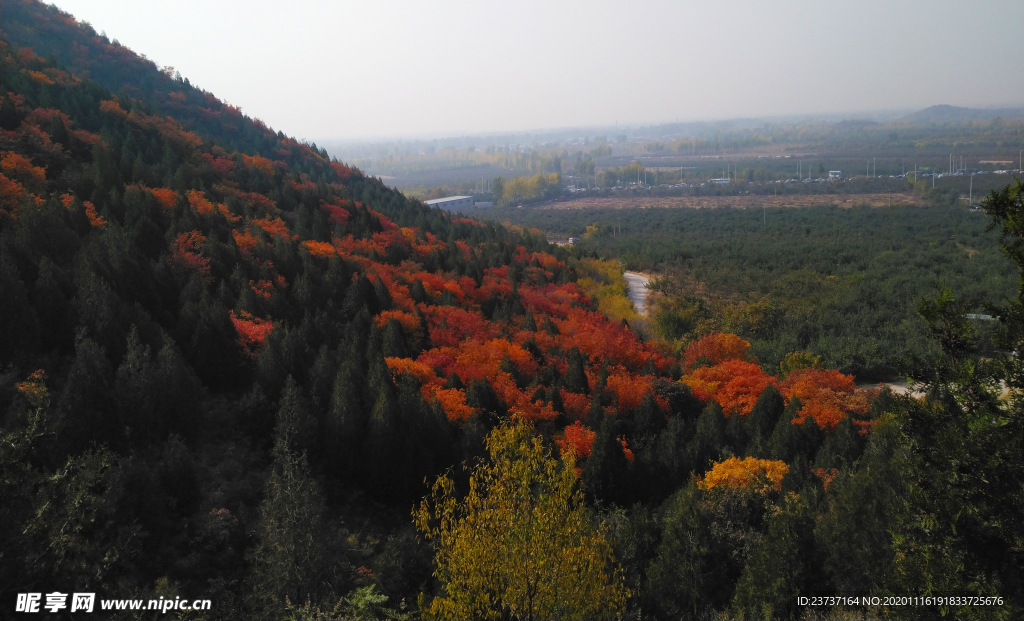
(879, 199)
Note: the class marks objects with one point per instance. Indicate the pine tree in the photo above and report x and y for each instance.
(9, 118)
(762, 420)
(321, 378)
(856, 534)
(289, 559)
(685, 579)
(383, 295)
(345, 422)
(135, 391)
(529, 323)
(294, 420)
(383, 427)
(555, 398)
(393, 340)
(606, 472)
(708, 438)
(778, 572)
(19, 326)
(736, 435)
(86, 411)
(786, 439)
(671, 455)
(418, 292)
(648, 420)
(575, 378)
(454, 381)
(841, 448)
(481, 394)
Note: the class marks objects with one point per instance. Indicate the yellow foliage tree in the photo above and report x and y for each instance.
(605, 282)
(521, 544)
(797, 360)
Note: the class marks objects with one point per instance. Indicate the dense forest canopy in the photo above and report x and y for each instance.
(840, 282)
(232, 368)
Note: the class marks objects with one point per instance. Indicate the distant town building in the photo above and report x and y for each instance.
(980, 317)
(484, 204)
(834, 175)
(451, 202)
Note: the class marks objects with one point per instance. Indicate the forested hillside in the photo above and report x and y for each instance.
(234, 369)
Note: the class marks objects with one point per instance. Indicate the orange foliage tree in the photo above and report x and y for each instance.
(629, 389)
(20, 168)
(260, 163)
(410, 322)
(716, 348)
(320, 249)
(736, 472)
(273, 226)
(12, 194)
(197, 200)
(482, 359)
(826, 396)
(424, 373)
(245, 241)
(453, 401)
(733, 384)
(450, 325)
(165, 196)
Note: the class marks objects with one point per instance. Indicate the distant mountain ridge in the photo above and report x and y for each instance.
(953, 114)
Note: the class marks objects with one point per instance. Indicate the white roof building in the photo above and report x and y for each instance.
(451, 202)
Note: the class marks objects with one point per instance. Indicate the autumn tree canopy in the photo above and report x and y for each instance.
(521, 544)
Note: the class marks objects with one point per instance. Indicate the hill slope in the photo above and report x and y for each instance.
(195, 289)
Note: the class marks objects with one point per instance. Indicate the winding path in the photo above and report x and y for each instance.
(637, 290)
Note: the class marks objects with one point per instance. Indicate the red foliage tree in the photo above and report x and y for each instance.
(185, 254)
(578, 439)
(252, 332)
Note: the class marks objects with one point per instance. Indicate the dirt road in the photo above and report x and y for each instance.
(638, 290)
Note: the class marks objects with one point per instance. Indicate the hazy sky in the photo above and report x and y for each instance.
(388, 68)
